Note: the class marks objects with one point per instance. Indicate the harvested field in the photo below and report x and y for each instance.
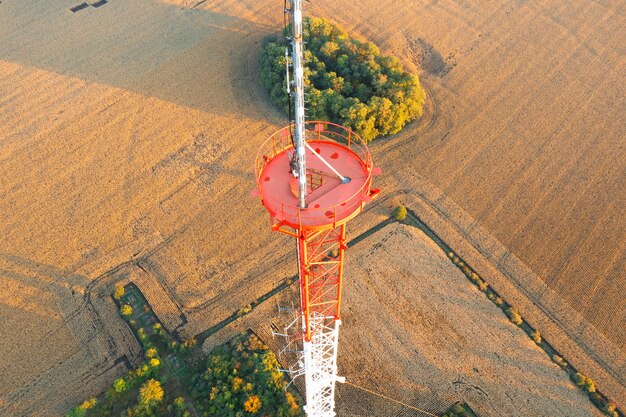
(128, 131)
(416, 330)
(43, 339)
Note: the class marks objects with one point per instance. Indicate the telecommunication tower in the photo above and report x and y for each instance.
(313, 177)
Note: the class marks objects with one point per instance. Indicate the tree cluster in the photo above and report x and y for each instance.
(143, 391)
(242, 379)
(346, 81)
(238, 379)
(138, 393)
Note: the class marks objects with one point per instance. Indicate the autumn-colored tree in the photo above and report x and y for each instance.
(399, 213)
(252, 404)
(514, 316)
(126, 310)
(119, 291)
(150, 393)
(536, 336)
(585, 382)
(81, 410)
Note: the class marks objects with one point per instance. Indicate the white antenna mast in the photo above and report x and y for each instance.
(298, 96)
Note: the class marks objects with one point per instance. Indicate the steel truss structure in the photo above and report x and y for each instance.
(312, 200)
(314, 333)
(320, 258)
(320, 366)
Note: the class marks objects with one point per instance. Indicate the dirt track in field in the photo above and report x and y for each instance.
(128, 133)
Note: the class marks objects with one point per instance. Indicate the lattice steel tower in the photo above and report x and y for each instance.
(313, 177)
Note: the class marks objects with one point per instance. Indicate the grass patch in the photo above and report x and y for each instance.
(460, 410)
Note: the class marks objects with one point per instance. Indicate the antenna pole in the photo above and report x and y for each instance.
(298, 95)
(320, 231)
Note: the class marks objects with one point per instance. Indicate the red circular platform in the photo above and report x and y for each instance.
(329, 202)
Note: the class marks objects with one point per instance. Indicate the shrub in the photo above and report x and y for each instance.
(119, 291)
(610, 409)
(399, 213)
(458, 410)
(190, 343)
(499, 301)
(244, 310)
(604, 404)
(482, 285)
(126, 310)
(559, 361)
(347, 81)
(514, 316)
(584, 382)
(536, 336)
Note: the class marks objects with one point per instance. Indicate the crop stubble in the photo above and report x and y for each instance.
(134, 126)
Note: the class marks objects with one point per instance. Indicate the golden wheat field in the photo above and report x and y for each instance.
(415, 330)
(127, 139)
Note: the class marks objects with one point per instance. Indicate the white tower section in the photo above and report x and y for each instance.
(298, 96)
(320, 368)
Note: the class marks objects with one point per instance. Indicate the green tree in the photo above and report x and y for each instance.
(120, 385)
(242, 378)
(347, 81)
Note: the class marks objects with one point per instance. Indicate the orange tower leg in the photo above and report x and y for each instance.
(320, 255)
